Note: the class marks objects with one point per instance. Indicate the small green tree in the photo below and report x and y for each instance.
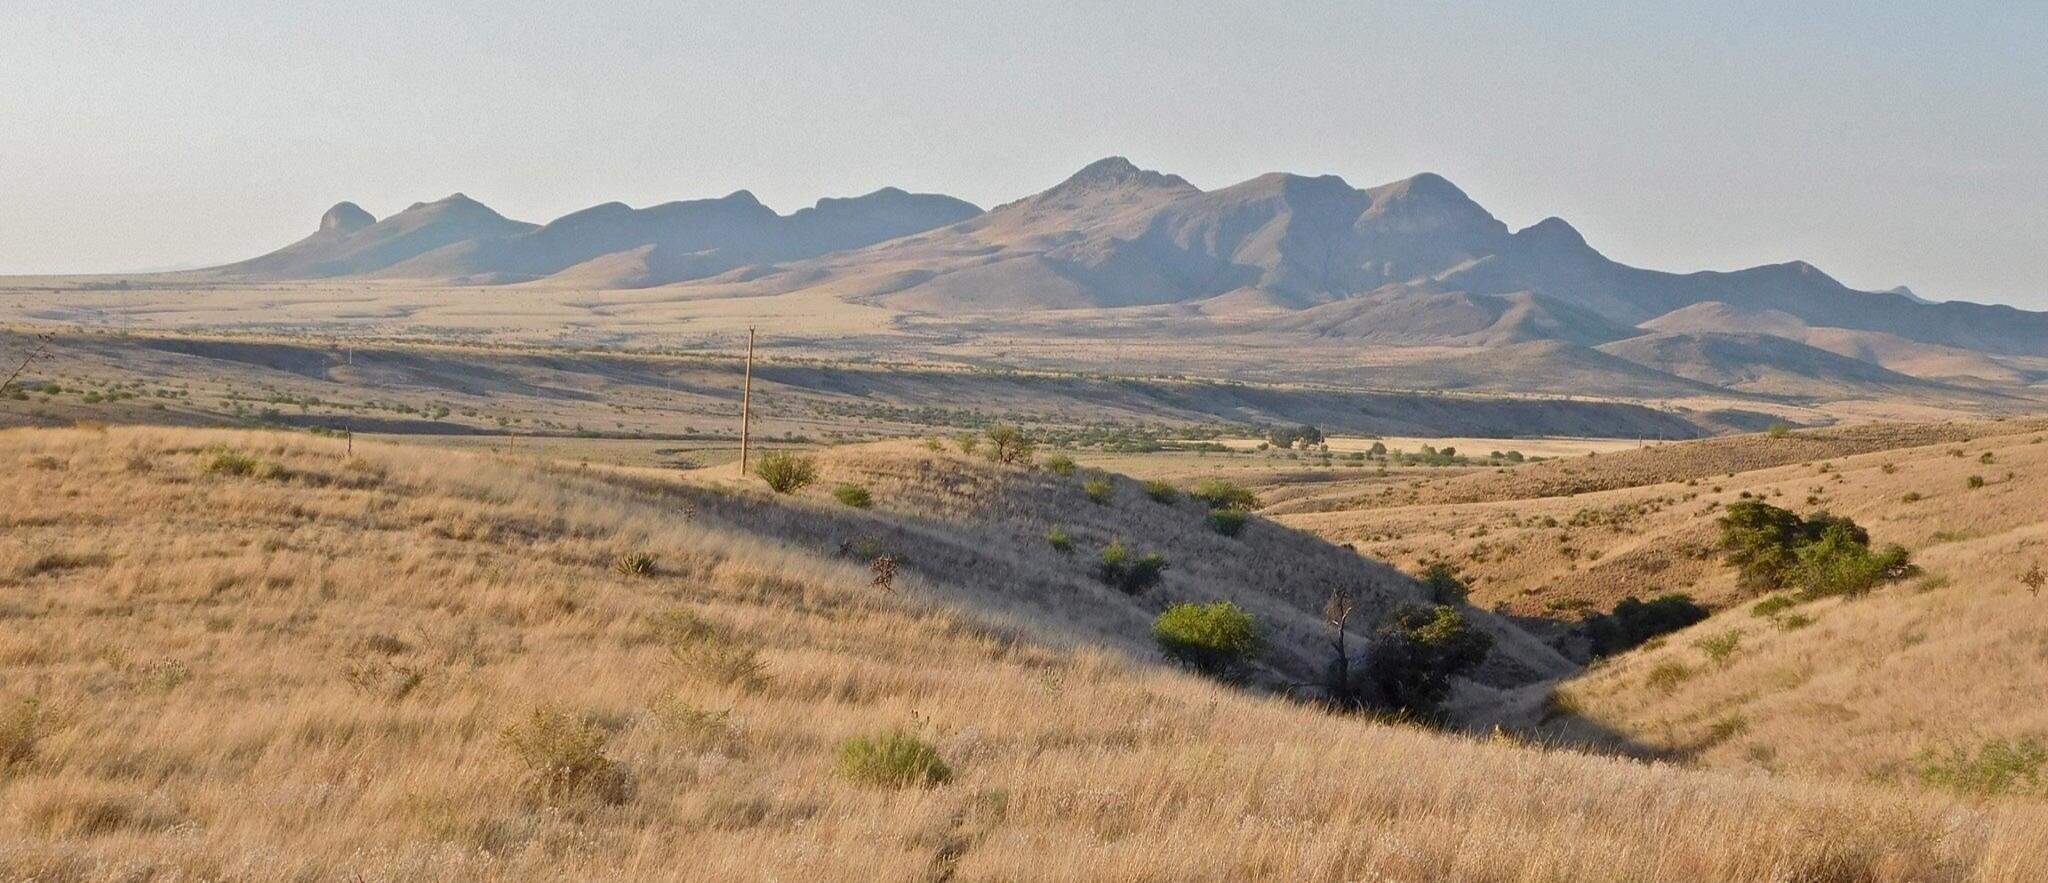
(1008, 444)
(787, 473)
(1215, 639)
(1414, 656)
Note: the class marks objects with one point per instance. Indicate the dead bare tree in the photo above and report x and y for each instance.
(1337, 613)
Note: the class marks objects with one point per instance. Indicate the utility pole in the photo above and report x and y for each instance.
(42, 343)
(746, 400)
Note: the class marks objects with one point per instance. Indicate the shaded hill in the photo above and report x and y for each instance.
(1407, 315)
(1761, 363)
(1891, 351)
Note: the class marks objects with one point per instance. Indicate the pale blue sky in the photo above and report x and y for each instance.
(1889, 143)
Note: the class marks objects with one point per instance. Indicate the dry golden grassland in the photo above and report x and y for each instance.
(1885, 686)
(233, 656)
(1562, 537)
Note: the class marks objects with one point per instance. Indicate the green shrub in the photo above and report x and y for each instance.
(1130, 574)
(1008, 444)
(1414, 656)
(1667, 675)
(1060, 464)
(1779, 430)
(564, 757)
(853, 495)
(1442, 581)
(1059, 540)
(1911, 497)
(1975, 482)
(1220, 494)
(227, 461)
(968, 442)
(1838, 565)
(1228, 522)
(1215, 639)
(1773, 605)
(1633, 622)
(892, 760)
(1999, 766)
(1721, 648)
(787, 473)
(1161, 492)
(639, 564)
(1099, 489)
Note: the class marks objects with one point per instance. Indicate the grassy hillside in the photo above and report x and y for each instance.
(1888, 686)
(252, 657)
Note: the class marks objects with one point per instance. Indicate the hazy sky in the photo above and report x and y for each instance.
(1889, 143)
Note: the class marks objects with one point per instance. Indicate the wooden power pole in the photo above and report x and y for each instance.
(746, 400)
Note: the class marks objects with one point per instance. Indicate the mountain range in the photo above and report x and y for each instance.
(1412, 262)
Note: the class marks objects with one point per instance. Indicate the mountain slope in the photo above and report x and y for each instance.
(606, 246)
(350, 242)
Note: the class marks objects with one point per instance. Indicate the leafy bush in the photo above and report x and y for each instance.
(1220, 494)
(1215, 639)
(1129, 574)
(1721, 648)
(564, 757)
(1161, 492)
(228, 461)
(1820, 555)
(1414, 656)
(640, 564)
(1773, 605)
(853, 495)
(1228, 522)
(1443, 583)
(787, 473)
(1839, 565)
(892, 760)
(1099, 489)
(968, 442)
(1634, 622)
(1911, 497)
(1999, 766)
(1975, 482)
(1059, 540)
(1008, 444)
(1060, 464)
